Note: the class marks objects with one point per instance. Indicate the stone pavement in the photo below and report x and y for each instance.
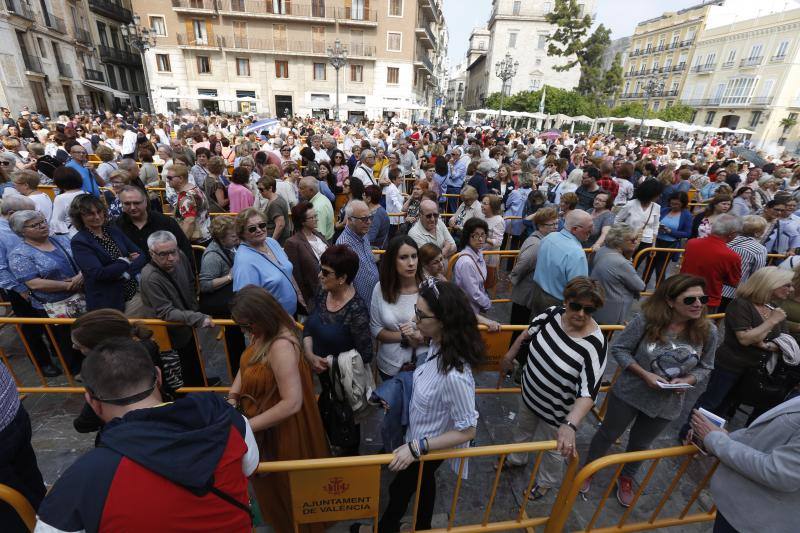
(57, 445)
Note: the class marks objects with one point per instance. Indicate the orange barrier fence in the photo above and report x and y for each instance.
(20, 504)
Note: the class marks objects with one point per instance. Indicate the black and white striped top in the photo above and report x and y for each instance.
(753, 255)
(560, 368)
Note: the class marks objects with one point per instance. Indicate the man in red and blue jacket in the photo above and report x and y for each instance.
(180, 466)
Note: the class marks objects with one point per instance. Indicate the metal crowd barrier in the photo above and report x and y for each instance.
(20, 504)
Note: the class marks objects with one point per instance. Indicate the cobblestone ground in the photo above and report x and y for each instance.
(57, 445)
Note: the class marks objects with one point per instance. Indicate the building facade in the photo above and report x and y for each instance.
(521, 30)
(746, 74)
(661, 50)
(271, 58)
(456, 89)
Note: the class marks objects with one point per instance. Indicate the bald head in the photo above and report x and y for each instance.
(359, 218)
(579, 223)
(428, 214)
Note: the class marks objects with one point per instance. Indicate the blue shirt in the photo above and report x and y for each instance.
(251, 267)
(26, 263)
(89, 185)
(9, 398)
(672, 222)
(561, 259)
(367, 276)
(8, 241)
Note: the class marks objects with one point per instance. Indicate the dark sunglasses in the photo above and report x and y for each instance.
(588, 309)
(689, 300)
(261, 226)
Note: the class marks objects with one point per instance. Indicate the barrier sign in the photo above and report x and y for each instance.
(333, 494)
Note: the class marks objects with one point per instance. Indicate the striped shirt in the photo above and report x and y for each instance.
(441, 402)
(367, 275)
(560, 368)
(753, 255)
(9, 398)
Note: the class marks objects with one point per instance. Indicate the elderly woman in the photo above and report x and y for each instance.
(602, 219)
(26, 182)
(469, 271)
(70, 184)
(546, 221)
(109, 260)
(752, 323)
(116, 180)
(191, 208)
(107, 165)
(45, 265)
(470, 208)
(216, 283)
(612, 268)
(567, 353)
(671, 342)
(748, 247)
(261, 261)
(199, 172)
(305, 248)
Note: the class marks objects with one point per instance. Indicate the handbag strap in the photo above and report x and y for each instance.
(476, 266)
(289, 278)
(72, 262)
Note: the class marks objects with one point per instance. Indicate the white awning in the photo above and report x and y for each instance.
(107, 89)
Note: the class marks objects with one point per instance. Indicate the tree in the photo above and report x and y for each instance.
(788, 123)
(612, 79)
(678, 113)
(571, 29)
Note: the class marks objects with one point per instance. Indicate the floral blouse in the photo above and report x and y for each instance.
(26, 263)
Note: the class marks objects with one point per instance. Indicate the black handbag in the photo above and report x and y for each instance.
(336, 413)
(762, 389)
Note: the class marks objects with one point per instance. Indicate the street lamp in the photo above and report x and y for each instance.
(505, 70)
(653, 87)
(142, 39)
(337, 56)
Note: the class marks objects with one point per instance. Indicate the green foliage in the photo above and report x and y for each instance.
(571, 29)
(788, 123)
(678, 112)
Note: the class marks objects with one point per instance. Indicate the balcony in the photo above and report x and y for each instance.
(83, 36)
(20, 9)
(32, 63)
(114, 9)
(54, 23)
(677, 68)
(687, 42)
(94, 75)
(432, 9)
(114, 55)
(64, 70)
(426, 37)
(288, 11)
(704, 69)
(777, 58)
(422, 60)
(751, 61)
(728, 64)
(761, 101)
(278, 46)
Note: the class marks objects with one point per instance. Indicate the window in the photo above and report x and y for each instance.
(755, 116)
(162, 63)
(123, 79)
(710, 117)
(395, 8)
(245, 94)
(738, 90)
(394, 41)
(756, 51)
(516, 7)
(782, 49)
(357, 73)
(393, 75)
(42, 50)
(668, 63)
(627, 87)
(538, 61)
(242, 66)
(199, 31)
(134, 81)
(207, 92)
(281, 69)
(581, 9)
(711, 60)
(731, 56)
(547, 7)
(319, 71)
(203, 65)
(675, 38)
(542, 44)
(512, 40)
(656, 105)
(112, 76)
(674, 89)
(158, 26)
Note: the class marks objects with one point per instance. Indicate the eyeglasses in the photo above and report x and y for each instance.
(430, 215)
(419, 314)
(549, 224)
(166, 253)
(367, 218)
(690, 300)
(257, 227)
(478, 236)
(576, 307)
(37, 225)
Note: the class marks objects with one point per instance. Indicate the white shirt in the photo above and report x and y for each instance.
(129, 142)
(286, 191)
(625, 192)
(321, 155)
(643, 221)
(384, 315)
(60, 222)
(394, 202)
(43, 204)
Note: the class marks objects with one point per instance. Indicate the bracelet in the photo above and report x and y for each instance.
(412, 446)
(571, 425)
(425, 447)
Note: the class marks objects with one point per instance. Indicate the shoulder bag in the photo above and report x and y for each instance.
(74, 305)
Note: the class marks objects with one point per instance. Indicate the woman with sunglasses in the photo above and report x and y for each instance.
(442, 408)
(565, 362)
(669, 344)
(339, 168)
(261, 261)
(275, 391)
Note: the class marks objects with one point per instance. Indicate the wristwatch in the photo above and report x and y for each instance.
(571, 425)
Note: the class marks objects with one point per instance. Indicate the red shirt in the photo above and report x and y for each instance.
(608, 184)
(711, 259)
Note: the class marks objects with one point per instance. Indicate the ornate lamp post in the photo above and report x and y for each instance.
(337, 57)
(505, 70)
(653, 87)
(142, 39)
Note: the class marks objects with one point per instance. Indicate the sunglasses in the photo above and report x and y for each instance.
(431, 215)
(588, 309)
(261, 226)
(689, 300)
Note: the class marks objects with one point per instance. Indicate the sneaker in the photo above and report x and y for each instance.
(586, 486)
(625, 491)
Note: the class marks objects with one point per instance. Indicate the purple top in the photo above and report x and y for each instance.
(469, 273)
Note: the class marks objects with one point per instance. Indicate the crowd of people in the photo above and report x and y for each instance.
(327, 244)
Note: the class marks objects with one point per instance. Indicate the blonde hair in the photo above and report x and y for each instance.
(759, 287)
(469, 193)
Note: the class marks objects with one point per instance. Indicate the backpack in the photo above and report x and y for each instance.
(47, 165)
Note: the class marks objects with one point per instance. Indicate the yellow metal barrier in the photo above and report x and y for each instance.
(558, 519)
(306, 475)
(20, 504)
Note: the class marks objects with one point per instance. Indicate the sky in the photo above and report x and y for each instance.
(619, 15)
